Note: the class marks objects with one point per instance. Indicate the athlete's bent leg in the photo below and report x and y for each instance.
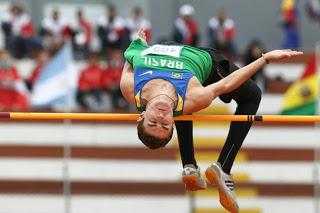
(248, 98)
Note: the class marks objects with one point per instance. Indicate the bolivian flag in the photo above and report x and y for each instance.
(301, 98)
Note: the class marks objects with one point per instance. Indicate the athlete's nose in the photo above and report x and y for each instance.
(160, 115)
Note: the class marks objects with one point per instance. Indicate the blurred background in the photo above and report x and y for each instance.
(58, 56)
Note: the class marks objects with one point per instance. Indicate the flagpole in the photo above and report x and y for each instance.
(316, 172)
(317, 52)
(68, 104)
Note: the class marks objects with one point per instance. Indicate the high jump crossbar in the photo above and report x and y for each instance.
(133, 117)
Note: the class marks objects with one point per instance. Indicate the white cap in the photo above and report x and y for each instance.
(186, 10)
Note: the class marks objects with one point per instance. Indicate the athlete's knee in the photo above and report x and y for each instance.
(249, 102)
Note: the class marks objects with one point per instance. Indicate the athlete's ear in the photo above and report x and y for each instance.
(141, 116)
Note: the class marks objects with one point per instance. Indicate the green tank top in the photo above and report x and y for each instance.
(170, 57)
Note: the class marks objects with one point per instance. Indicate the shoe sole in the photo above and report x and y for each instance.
(226, 201)
(191, 183)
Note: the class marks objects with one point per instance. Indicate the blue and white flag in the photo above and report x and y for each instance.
(57, 83)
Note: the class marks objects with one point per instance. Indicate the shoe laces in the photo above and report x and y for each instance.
(190, 169)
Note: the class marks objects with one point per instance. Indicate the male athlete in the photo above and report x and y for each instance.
(168, 80)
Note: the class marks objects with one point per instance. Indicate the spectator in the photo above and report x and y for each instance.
(83, 36)
(221, 30)
(111, 79)
(13, 93)
(136, 22)
(110, 31)
(185, 27)
(253, 52)
(18, 30)
(289, 24)
(54, 30)
(313, 9)
(41, 60)
(90, 85)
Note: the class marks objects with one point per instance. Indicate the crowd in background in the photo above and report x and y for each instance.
(102, 72)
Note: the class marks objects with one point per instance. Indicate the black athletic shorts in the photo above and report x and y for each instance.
(221, 67)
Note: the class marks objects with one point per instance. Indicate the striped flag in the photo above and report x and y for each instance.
(57, 83)
(301, 98)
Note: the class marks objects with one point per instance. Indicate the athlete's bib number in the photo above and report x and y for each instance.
(169, 50)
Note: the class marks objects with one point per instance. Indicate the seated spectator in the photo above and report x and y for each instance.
(137, 21)
(221, 31)
(13, 93)
(41, 60)
(253, 52)
(90, 85)
(83, 36)
(19, 34)
(185, 27)
(54, 30)
(110, 31)
(111, 80)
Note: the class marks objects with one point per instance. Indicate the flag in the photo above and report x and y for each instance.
(57, 83)
(288, 8)
(301, 98)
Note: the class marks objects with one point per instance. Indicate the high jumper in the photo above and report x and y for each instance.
(165, 80)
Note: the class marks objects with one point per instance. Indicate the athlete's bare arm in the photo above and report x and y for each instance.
(201, 97)
(237, 78)
(127, 77)
(127, 83)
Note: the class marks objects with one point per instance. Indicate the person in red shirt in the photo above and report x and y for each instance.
(13, 93)
(111, 79)
(90, 84)
(83, 36)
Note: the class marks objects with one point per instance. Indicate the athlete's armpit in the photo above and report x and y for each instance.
(127, 83)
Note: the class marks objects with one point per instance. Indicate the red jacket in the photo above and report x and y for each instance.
(10, 97)
(90, 77)
(9, 74)
(112, 75)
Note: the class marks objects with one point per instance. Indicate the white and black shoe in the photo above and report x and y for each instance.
(192, 179)
(224, 183)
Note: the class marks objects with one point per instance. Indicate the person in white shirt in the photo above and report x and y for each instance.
(18, 30)
(55, 29)
(110, 30)
(137, 21)
(221, 32)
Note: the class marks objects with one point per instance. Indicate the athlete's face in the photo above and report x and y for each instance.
(158, 119)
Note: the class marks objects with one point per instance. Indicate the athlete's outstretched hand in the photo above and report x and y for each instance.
(276, 55)
(142, 35)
